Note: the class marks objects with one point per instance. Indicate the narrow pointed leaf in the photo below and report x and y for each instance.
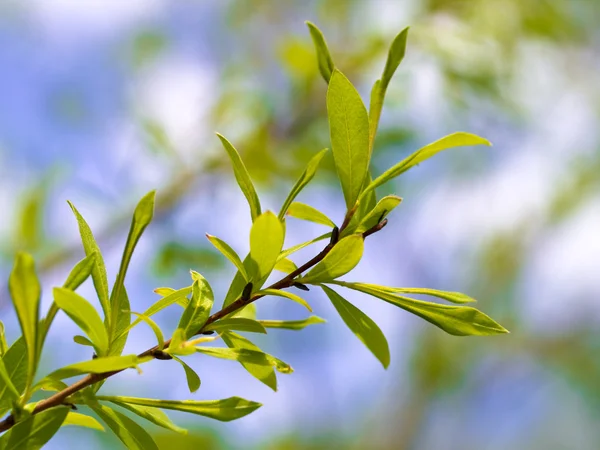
(287, 252)
(377, 214)
(375, 107)
(349, 131)
(242, 177)
(304, 179)
(164, 291)
(362, 326)
(454, 297)
(15, 362)
(339, 261)
(82, 340)
(155, 328)
(82, 420)
(264, 373)
(266, 242)
(455, 320)
(224, 410)
(34, 432)
(9, 389)
(3, 343)
(193, 380)
(154, 415)
(238, 324)
(395, 57)
(98, 365)
(326, 66)
(285, 265)
(229, 253)
(307, 212)
(198, 309)
(84, 315)
(25, 292)
(453, 140)
(292, 324)
(248, 356)
(99, 271)
(179, 344)
(129, 432)
(286, 294)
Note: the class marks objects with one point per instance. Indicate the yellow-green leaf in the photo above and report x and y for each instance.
(193, 380)
(454, 297)
(198, 309)
(98, 365)
(339, 261)
(3, 343)
(82, 420)
(129, 432)
(35, 431)
(286, 294)
(292, 324)
(229, 253)
(377, 214)
(155, 328)
(238, 324)
(285, 265)
(324, 59)
(154, 415)
(15, 361)
(266, 242)
(248, 356)
(307, 212)
(287, 252)
(12, 395)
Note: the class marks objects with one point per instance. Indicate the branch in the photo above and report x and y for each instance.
(60, 398)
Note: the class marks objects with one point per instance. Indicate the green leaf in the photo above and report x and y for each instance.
(248, 356)
(155, 328)
(375, 107)
(286, 294)
(3, 343)
(12, 395)
(198, 309)
(349, 130)
(229, 253)
(82, 340)
(98, 365)
(304, 179)
(377, 214)
(242, 177)
(326, 66)
(285, 265)
(455, 320)
(224, 410)
(34, 432)
(362, 326)
(99, 272)
(80, 272)
(82, 420)
(15, 361)
(84, 315)
(237, 323)
(266, 242)
(395, 57)
(179, 344)
(339, 261)
(453, 140)
(48, 384)
(164, 291)
(129, 432)
(265, 374)
(306, 212)
(154, 415)
(295, 248)
(292, 324)
(193, 380)
(25, 292)
(119, 304)
(454, 297)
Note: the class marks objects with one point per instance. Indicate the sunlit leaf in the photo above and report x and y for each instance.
(242, 177)
(247, 356)
(229, 253)
(3, 343)
(349, 131)
(193, 380)
(285, 265)
(238, 324)
(154, 415)
(82, 420)
(225, 410)
(198, 309)
(25, 293)
(82, 340)
(98, 365)
(326, 66)
(395, 57)
(304, 179)
(307, 212)
(34, 432)
(292, 324)
(164, 291)
(286, 294)
(15, 361)
(179, 344)
(339, 261)
(9, 390)
(84, 315)
(362, 326)
(455, 320)
(266, 242)
(377, 214)
(287, 252)
(454, 297)
(155, 328)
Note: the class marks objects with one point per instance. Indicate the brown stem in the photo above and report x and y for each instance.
(60, 398)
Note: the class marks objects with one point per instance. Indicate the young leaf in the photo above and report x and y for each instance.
(15, 361)
(349, 130)
(292, 324)
(237, 323)
(242, 177)
(198, 309)
(326, 66)
(224, 410)
(304, 179)
(99, 271)
(98, 365)
(84, 315)
(154, 415)
(82, 420)
(395, 57)
(285, 265)
(362, 326)
(339, 261)
(229, 253)
(454, 297)
(295, 248)
(286, 294)
(164, 291)
(35, 431)
(179, 344)
(82, 340)
(265, 374)
(307, 212)
(3, 344)
(193, 380)
(80, 272)
(152, 324)
(248, 356)
(266, 242)
(453, 140)
(129, 432)
(9, 390)
(377, 214)
(25, 292)
(455, 320)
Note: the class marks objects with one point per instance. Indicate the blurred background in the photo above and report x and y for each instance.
(102, 101)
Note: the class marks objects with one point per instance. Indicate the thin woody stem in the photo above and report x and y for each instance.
(60, 398)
